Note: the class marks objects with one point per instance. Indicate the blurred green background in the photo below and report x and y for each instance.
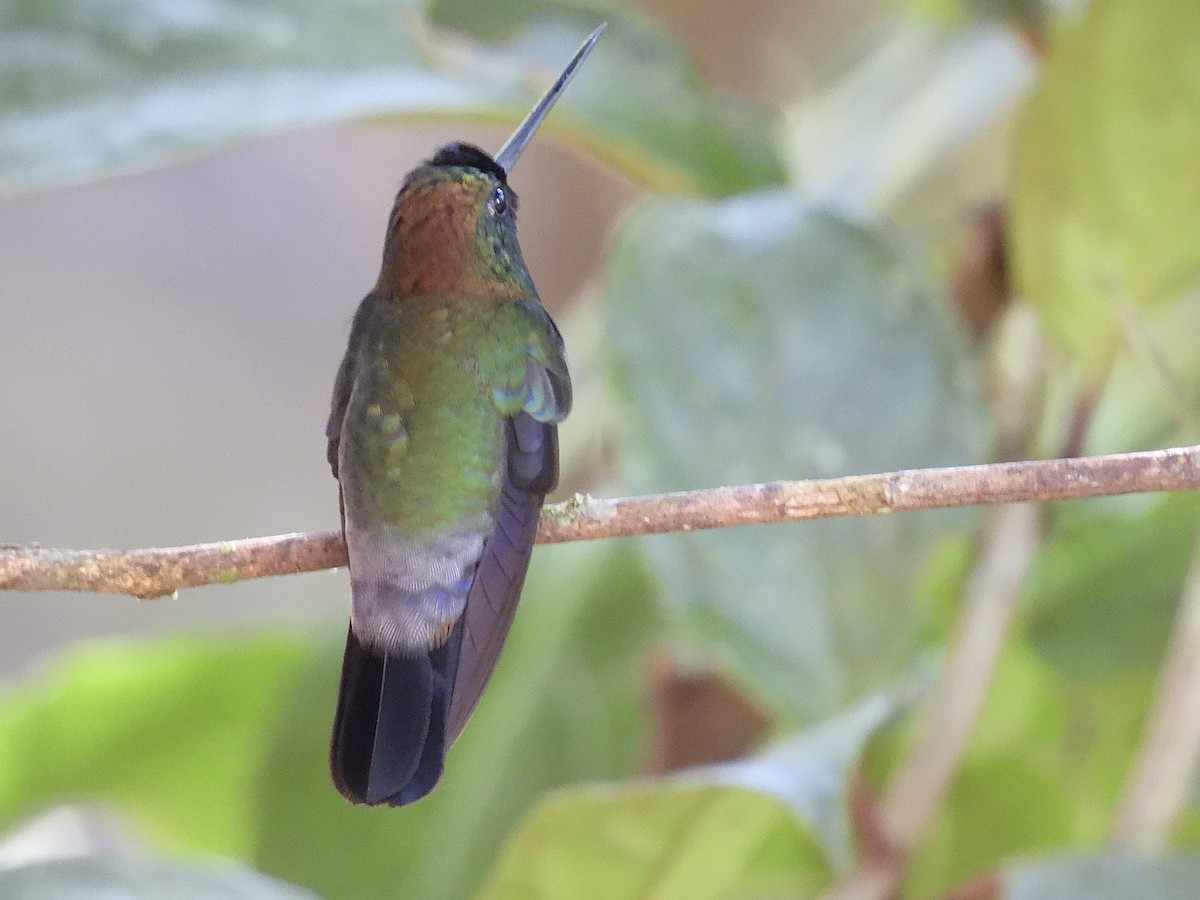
(783, 240)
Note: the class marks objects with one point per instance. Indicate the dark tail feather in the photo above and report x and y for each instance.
(389, 734)
(397, 716)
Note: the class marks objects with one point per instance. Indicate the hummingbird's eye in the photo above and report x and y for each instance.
(498, 202)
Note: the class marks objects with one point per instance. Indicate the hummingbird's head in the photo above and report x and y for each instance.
(453, 229)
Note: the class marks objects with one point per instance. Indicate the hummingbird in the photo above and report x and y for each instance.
(443, 438)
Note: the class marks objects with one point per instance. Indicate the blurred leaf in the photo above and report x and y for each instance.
(1105, 588)
(1043, 772)
(1153, 396)
(563, 705)
(716, 831)
(1104, 229)
(1114, 876)
(668, 840)
(174, 734)
(918, 96)
(811, 773)
(1186, 828)
(757, 340)
(87, 879)
(94, 88)
(1001, 805)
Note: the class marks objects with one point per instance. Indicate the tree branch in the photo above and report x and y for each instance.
(158, 572)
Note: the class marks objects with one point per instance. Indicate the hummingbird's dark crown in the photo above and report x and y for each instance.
(468, 156)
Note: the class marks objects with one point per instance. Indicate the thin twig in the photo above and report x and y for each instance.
(1161, 778)
(158, 572)
(990, 601)
(918, 788)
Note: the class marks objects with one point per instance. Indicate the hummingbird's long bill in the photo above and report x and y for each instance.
(512, 148)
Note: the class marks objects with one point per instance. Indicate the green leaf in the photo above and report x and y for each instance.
(1105, 588)
(669, 841)
(173, 734)
(715, 831)
(1113, 876)
(92, 88)
(563, 705)
(87, 879)
(1044, 771)
(811, 773)
(1104, 226)
(756, 340)
(1000, 805)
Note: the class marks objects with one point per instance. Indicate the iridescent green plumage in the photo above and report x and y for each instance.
(436, 381)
